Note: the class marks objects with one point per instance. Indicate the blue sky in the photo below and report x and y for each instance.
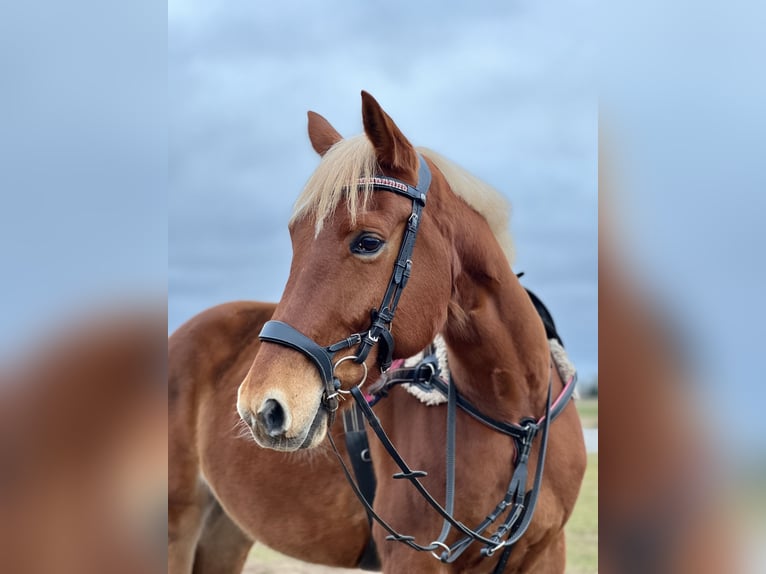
(83, 163)
(507, 90)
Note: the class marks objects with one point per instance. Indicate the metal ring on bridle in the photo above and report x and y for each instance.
(446, 549)
(491, 551)
(364, 376)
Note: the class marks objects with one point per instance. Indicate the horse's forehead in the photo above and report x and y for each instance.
(383, 211)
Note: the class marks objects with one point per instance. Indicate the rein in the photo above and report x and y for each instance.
(520, 503)
(517, 502)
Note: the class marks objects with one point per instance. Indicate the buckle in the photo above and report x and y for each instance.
(418, 370)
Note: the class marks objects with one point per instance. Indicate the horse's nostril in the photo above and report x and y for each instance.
(272, 417)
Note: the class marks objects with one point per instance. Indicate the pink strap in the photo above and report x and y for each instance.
(562, 394)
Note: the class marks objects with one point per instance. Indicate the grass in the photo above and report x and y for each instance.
(582, 528)
(588, 409)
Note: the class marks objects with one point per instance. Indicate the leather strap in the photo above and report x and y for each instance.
(358, 448)
(428, 379)
(287, 335)
(408, 474)
(384, 315)
(518, 503)
(417, 193)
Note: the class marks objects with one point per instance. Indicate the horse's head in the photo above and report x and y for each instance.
(346, 241)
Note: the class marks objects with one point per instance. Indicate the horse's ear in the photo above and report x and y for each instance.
(392, 149)
(322, 135)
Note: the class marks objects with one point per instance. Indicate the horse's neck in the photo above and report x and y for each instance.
(498, 352)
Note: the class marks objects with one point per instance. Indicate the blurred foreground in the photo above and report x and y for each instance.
(682, 474)
(83, 448)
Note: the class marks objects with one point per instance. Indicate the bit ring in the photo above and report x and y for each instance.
(364, 376)
(446, 549)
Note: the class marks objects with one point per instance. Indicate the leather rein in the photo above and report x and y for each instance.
(518, 503)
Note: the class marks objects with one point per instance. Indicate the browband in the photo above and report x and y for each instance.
(417, 193)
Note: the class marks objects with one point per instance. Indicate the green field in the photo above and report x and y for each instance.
(582, 528)
(588, 409)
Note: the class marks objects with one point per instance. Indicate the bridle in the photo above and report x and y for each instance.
(517, 502)
(379, 331)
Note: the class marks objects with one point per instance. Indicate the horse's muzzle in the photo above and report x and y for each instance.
(271, 427)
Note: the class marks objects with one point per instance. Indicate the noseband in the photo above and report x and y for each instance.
(379, 331)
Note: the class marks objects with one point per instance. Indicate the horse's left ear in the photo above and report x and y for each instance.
(393, 150)
(322, 135)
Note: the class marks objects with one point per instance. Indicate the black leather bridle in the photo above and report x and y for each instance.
(379, 331)
(517, 502)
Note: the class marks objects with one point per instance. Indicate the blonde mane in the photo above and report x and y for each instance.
(354, 158)
(482, 197)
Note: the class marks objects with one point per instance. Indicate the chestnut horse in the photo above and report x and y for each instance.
(227, 491)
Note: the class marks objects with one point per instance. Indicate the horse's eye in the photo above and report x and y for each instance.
(366, 245)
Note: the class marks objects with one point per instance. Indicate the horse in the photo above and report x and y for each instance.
(253, 389)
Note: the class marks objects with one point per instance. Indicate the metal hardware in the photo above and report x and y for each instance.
(371, 338)
(430, 366)
(364, 376)
(446, 549)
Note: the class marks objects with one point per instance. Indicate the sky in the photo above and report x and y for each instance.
(506, 90)
(83, 164)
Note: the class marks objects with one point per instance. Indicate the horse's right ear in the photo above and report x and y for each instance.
(322, 135)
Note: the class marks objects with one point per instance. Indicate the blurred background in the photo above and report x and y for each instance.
(506, 90)
(83, 255)
(83, 148)
(681, 283)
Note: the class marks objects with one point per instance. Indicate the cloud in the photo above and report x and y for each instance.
(508, 91)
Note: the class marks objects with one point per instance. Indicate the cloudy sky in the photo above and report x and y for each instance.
(506, 89)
